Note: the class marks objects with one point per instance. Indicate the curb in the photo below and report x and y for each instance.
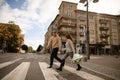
(114, 78)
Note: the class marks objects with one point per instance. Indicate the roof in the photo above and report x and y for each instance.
(66, 2)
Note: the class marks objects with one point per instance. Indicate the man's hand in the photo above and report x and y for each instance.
(59, 52)
(60, 49)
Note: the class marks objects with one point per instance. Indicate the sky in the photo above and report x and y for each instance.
(35, 16)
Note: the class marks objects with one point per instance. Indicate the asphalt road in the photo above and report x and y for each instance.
(31, 66)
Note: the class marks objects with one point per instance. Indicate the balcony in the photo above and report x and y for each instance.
(81, 27)
(64, 32)
(72, 32)
(104, 42)
(104, 35)
(104, 28)
(103, 21)
(81, 34)
(82, 18)
(66, 24)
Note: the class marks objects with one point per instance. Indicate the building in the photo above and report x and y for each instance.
(103, 28)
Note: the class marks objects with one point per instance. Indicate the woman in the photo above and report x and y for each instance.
(70, 50)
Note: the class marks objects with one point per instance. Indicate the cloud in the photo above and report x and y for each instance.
(38, 13)
(32, 14)
(31, 11)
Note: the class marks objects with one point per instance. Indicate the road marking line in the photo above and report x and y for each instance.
(49, 74)
(19, 73)
(82, 74)
(2, 65)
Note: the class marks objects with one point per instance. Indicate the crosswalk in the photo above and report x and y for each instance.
(2, 65)
(20, 72)
(82, 74)
(49, 74)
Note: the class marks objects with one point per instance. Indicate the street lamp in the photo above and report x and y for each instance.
(87, 26)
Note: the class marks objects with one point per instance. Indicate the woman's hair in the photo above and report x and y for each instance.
(68, 37)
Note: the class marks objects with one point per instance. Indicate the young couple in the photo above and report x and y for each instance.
(55, 42)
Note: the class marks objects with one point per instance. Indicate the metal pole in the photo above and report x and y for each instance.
(87, 26)
(87, 33)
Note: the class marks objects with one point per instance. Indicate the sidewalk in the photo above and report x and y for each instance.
(105, 65)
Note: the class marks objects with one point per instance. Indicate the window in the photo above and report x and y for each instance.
(104, 32)
(114, 27)
(82, 17)
(82, 25)
(103, 39)
(69, 7)
(92, 32)
(69, 22)
(103, 18)
(69, 29)
(91, 17)
(115, 37)
(103, 25)
(69, 14)
(82, 39)
(92, 40)
(115, 41)
(113, 20)
(119, 20)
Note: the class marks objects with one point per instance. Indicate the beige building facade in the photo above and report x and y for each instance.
(103, 28)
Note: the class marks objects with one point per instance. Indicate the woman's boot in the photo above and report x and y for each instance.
(79, 67)
(60, 68)
(63, 62)
(61, 65)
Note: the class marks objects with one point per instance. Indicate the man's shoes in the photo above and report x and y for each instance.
(59, 69)
(49, 67)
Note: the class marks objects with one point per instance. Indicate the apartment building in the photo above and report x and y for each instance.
(103, 28)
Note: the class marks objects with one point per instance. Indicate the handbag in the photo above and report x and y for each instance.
(77, 58)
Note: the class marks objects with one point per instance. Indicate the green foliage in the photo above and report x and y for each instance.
(11, 33)
(24, 47)
(30, 49)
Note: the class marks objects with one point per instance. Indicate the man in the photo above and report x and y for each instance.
(55, 43)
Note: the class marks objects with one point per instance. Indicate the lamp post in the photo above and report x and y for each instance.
(87, 26)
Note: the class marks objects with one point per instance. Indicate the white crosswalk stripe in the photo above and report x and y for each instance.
(2, 65)
(82, 74)
(19, 73)
(49, 74)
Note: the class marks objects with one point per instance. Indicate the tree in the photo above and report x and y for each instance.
(40, 47)
(30, 49)
(11, 33)
(25, 47)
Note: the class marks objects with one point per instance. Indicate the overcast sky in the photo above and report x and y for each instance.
(34, 16)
